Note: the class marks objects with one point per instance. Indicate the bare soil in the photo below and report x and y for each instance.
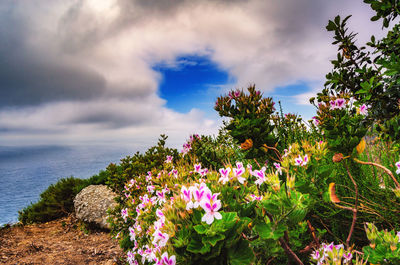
(58, 242)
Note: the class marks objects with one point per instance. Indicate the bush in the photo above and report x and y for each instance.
(55, 202)
(58, 199)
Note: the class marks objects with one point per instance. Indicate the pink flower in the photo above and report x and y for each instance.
(160, 238)
(237, 172)
(347, 257)
(131, 258)
(197, 168)
(255, 197)
(161, 197)
(278, 168)
(169, 159)
(160, 214)
(224, 175)
(340, 103)
(299, 161)
(260, 175)
(203, 172)
(363, 110)
(239, 165)
(124, 214)
(316, 255)
(150, 189)
(328, 248)
(315, 121)
(132, 233)
(199, 193)
(186, 195)
(398, 167)
(174, 172)
(250, 169)
(211, 205)
(168, 260)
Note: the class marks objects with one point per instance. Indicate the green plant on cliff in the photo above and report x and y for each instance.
(55, 202)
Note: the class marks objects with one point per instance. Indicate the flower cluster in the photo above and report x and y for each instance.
(148, 205)
(397, 167)
(299, 161)
(331, 254)
(188, 145)
(200, 195)
(228, 173)
(339, 103)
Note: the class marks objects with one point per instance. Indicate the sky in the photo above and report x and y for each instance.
(122, 72)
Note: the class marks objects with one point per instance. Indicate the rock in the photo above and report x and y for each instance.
(92, 203)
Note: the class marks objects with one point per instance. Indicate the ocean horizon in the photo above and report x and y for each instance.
(26, 171)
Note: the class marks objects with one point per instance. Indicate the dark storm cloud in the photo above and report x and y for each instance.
(26, 81)
(30, 76)
(107, 119)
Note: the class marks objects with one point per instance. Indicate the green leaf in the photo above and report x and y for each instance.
(331, 26)
(197, 246)
(213, 240)
(200, 229)
(241, 255)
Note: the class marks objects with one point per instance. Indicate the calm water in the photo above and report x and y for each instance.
(25, 172)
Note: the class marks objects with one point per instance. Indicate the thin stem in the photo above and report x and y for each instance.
(353, 223)
(285, 244)
(387, 171)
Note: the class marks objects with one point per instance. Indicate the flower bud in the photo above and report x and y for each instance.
(337, 157)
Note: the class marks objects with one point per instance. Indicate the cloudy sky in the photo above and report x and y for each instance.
(124, 71)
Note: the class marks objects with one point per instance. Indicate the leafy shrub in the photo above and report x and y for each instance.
(55, 202)
(250, 121)
(211, 152)
(138, 164)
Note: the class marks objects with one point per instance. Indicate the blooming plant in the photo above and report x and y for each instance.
(342, 123)
(330, 254)
(250, 124)
(384, 247)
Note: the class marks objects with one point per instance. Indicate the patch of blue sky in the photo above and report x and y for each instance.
(290, 103)
(192, 82)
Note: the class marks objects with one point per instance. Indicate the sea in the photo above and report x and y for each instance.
(27, 171)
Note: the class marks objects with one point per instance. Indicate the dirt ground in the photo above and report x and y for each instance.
(57, 242)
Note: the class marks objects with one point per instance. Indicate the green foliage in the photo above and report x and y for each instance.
(213, 152)
(250, 119)
(388, 10)
(384, 247)
(219, 243)
(290, 129)
(55, 202)
(138, 164)
(372, 79)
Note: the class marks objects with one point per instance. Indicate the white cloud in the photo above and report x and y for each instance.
(264, 42)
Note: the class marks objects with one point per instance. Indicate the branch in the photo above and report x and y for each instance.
(289, 251)
(285, 245)
(353, 223)
(387, 171)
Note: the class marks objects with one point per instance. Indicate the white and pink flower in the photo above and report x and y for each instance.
(124, 214)
(299, 161)
(398, 167)
(260, 175)
(169, 159)
(363, 110)
(211, 205)
(238, 172)
(168, 260)
(278, 168)
(224, 175)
